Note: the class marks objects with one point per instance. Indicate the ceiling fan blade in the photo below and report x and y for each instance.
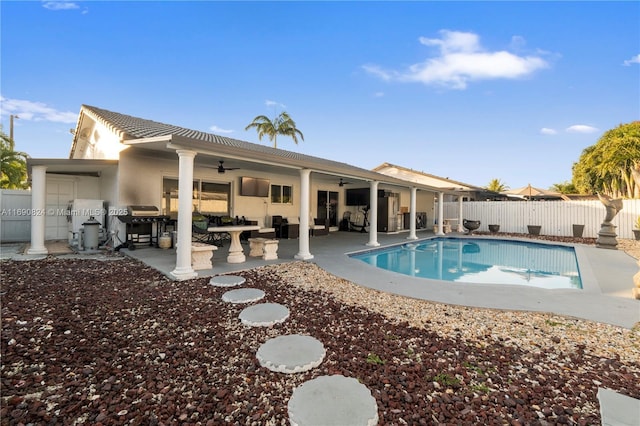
(222, 168)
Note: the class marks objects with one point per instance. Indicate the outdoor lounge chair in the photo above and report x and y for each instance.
(284, 228)
(319, 227)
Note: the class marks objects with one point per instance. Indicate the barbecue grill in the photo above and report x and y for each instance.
(141, 221)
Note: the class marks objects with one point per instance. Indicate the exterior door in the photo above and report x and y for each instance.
(328, 206)
(59, 193)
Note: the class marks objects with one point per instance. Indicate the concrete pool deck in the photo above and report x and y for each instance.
(607, 277)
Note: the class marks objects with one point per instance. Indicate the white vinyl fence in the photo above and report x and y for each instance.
(555, 217)
(15, 221)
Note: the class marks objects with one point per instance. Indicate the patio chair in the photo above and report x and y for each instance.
(319, 227)
(346, 219)
(199, 233)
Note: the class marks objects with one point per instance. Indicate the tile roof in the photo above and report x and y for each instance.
(129, 127)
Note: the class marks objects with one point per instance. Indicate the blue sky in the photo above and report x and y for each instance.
(466, 90)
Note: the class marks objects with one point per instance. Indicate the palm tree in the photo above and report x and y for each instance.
(496, 185)
(564, 188)
(13, 165)
(281, 125)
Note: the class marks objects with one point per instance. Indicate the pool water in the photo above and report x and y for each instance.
(481, 261)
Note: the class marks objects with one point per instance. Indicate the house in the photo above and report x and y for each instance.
(130, 161)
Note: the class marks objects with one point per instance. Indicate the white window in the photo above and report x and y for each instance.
(281, 194)
(208, 197)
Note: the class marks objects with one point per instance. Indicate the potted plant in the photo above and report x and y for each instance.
(578, 230)
(534, 229)
(636, 230)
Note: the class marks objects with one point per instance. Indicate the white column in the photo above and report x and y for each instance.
(183, 270)
(305, 199)
(440, 213)
(412, 214)
(460, 227)
(38, 209)
(373, 214)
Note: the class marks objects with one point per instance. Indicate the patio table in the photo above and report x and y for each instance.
(236, 254)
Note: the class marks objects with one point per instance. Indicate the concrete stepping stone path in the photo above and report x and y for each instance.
(227, 281)
(293, 353)
(243, 295)
(618, 409)
(264, 314)
(326, 400)
(333, 401)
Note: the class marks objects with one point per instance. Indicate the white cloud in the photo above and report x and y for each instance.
(36, 111)
(462, 59)
(633, 60)
(378, 95)
(217, 129)
(59, 5)
(548, 131)
(581, 128)
(270, 103)
(377, 71)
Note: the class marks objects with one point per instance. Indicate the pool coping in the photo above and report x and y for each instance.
(607, 279)
(587, 277)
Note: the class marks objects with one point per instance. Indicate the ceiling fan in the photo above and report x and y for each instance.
(343, 183)
(222, 168)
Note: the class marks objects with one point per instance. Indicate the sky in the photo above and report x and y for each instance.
(472, 91)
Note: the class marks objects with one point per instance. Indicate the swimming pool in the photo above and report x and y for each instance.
(486, 261)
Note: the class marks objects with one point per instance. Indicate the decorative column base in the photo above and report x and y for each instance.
(180, 274)
(303, 256)
(607, 237)
(37, 250)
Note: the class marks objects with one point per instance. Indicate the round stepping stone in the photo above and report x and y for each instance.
(264, 314)
(243, 295)
(332, 400)
(227, 281)
(289, 354)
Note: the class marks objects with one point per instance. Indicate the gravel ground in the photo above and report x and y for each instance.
(115, 342)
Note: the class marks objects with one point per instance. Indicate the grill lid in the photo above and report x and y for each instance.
(143, 211)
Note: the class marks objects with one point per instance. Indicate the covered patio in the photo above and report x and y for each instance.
(131, 160)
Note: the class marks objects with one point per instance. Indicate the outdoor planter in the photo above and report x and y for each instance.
(471, 225)
(494, 228)
(534, 229)
(636, 233)
(578, 230)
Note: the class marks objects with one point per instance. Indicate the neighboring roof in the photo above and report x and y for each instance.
(442, 182)
(139, 132)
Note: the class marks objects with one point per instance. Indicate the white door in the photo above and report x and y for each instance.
(59, 193)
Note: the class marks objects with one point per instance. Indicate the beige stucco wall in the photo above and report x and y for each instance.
(140, 183)
(95, 141)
